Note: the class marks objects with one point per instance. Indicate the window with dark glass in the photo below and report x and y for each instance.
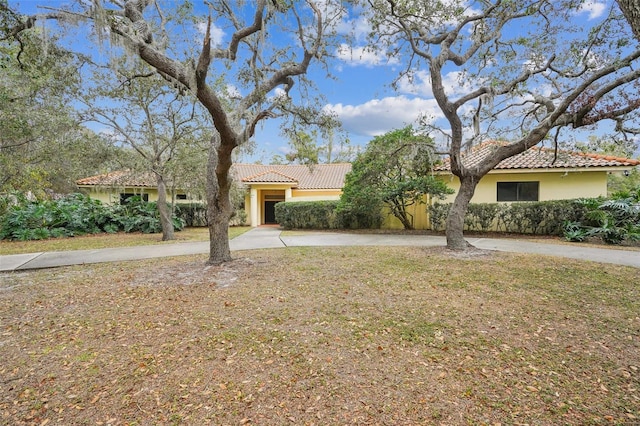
(181, 196)
(518, 191)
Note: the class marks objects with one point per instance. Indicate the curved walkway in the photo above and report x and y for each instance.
(270, 237)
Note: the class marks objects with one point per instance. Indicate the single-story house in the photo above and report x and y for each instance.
(538, 174)
(266, 185)
(270, 184)
(117, 186)
(534, 175)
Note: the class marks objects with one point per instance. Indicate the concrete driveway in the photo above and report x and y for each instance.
(272, 237)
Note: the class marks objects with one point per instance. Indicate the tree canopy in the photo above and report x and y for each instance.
(156, 123)
(519, 72)
(42, 145)
(269, 48)
(395, 171)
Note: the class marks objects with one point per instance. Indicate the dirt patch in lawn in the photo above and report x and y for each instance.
(352, 335)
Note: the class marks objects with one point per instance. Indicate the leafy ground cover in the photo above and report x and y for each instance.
(351, 335)
(98, 241)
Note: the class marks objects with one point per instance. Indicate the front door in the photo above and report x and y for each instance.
(270, 212)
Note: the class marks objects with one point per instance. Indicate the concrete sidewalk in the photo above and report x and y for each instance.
(270, 237)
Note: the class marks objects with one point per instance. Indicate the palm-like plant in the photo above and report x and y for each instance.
(614, 221)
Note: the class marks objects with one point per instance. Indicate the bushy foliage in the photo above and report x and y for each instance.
(193, 214)
(394, 171)
(541, 218)
(308, 215)
(77, 214)
(614, 221)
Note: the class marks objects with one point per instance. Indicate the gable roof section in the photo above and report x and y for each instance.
(540, 158)
(317, 176)
(270, 176)
(120, 178)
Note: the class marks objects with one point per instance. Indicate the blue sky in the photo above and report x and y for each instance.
(361, 95)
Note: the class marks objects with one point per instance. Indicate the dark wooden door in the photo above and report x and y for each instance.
(270, 212)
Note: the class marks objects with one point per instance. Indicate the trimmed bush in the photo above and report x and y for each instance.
(356, 217)
(308, 215)
(540, 218)
(482, 216)
(438, 215)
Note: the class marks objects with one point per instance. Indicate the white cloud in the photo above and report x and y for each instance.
(358, 27)
(277, 93)
(361, 55)
(378, 116)
(232, 92)
(594, 8)
(420, 84)
(217, 33)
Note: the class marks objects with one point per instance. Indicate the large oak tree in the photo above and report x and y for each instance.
(269, 46)
(522, 72)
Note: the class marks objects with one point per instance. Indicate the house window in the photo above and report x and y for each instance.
(181, 196)
(124, 196)
(518, 191)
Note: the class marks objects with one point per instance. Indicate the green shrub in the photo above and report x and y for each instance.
(193, 214)
(308, 215)
(575, 232)
(614, 221)
(238, 218)
(541, 218)
(481, 216)
(350, 216)
(438, 215)
(77, 214)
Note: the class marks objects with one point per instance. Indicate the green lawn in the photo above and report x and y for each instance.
(324, 336)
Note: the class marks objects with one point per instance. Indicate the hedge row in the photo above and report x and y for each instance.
(308, 215)
(542, 218)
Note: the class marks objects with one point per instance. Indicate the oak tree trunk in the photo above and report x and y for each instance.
(631, 11)
(219, 208)
(163, 209)
(400, 212)
(455, 218)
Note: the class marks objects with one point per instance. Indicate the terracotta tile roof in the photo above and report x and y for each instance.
(317, 176)
(120, 178)
(270, 176)
(540, 158)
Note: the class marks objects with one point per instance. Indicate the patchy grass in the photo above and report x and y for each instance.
(90, 242)
(352, 335)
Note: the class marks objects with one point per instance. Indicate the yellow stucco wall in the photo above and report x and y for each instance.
(314, 195)
(562, 185)
(418, 211)
(111, 196)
